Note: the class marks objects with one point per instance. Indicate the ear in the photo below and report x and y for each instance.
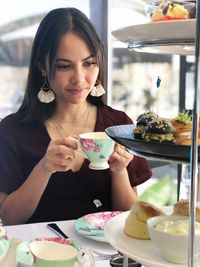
(42, 69)
(43, 72)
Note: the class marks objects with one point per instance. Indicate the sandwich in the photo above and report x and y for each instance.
(141, 122)
(160, 130)
(183, 128)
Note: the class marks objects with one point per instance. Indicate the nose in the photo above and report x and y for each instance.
(77, 77)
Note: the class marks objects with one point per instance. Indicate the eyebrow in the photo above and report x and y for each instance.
(67, 60)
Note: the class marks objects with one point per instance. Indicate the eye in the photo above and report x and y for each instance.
(63, 66)
(89, 63)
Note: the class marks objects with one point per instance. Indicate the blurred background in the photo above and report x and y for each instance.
(131, 76)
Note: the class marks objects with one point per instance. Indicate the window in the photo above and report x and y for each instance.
(19, 21)
(134, 74)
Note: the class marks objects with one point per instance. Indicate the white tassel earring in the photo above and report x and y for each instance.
(98, 89)
(46, 95)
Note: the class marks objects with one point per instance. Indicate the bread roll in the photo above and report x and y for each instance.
(181, 128)
(185, 141)
(181, 207)
(136, 222)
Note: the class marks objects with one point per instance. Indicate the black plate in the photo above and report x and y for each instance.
(123, 134)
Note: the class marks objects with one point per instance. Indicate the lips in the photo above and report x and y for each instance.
(75, 91)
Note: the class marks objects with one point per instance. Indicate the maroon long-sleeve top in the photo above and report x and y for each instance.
(68, 195)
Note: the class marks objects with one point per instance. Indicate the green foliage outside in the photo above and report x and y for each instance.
(161, 193)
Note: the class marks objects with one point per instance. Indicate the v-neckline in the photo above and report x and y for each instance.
(49, 139)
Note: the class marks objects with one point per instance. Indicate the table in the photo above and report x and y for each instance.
(32, 231)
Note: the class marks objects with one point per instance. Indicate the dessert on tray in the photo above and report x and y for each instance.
(172, 10)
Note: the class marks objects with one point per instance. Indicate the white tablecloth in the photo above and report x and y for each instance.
(31, 231)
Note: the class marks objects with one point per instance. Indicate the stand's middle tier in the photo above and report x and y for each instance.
(123, 134)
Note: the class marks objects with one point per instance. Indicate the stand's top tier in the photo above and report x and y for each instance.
(164, 37)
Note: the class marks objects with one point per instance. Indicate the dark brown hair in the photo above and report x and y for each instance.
(51, 29)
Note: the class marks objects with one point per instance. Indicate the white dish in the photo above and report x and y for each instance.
(142, 251)
(166, 37)
(165, 30)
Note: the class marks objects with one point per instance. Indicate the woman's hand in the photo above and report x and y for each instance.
(120, 159)
(59, 156)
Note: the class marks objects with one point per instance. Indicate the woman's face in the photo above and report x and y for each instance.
(76, 70)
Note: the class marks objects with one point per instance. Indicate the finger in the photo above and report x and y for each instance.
(61, 164)
(123, 153)
(74, 136)
(58, 168)
(117, 156)
(61, 150)
(62, 161)
(60, 155)
(118, 146)
(68, 142)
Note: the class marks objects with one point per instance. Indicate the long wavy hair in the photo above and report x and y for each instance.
(51, 29)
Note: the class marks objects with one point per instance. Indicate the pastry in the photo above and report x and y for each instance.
(169, 10)
(181, 207)
(136, 222)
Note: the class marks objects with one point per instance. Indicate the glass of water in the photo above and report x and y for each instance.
(185, 182)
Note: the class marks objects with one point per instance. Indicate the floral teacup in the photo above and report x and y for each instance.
(52, 254)
(97, 147)
(4, 243)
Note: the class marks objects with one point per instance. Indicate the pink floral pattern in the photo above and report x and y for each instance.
(89, 144)
(55, 239)
(101, 218)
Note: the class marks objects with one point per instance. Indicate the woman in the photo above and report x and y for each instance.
(42, 176)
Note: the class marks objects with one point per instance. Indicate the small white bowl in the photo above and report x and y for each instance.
(172, 246)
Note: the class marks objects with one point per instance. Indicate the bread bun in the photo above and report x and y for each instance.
(181, 128)
(181, 207)
(185, 141)
(145, 118)
(182, 124)
(136, 222)
(160, 126)
(141, 123)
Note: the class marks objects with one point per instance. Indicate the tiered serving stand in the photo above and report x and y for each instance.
(172, 37)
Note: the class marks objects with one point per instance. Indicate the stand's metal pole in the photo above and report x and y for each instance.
(198, 185)
(125, 261)
(194, 146)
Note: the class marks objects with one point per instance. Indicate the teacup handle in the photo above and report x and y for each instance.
(82, 252)
(79, 149)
